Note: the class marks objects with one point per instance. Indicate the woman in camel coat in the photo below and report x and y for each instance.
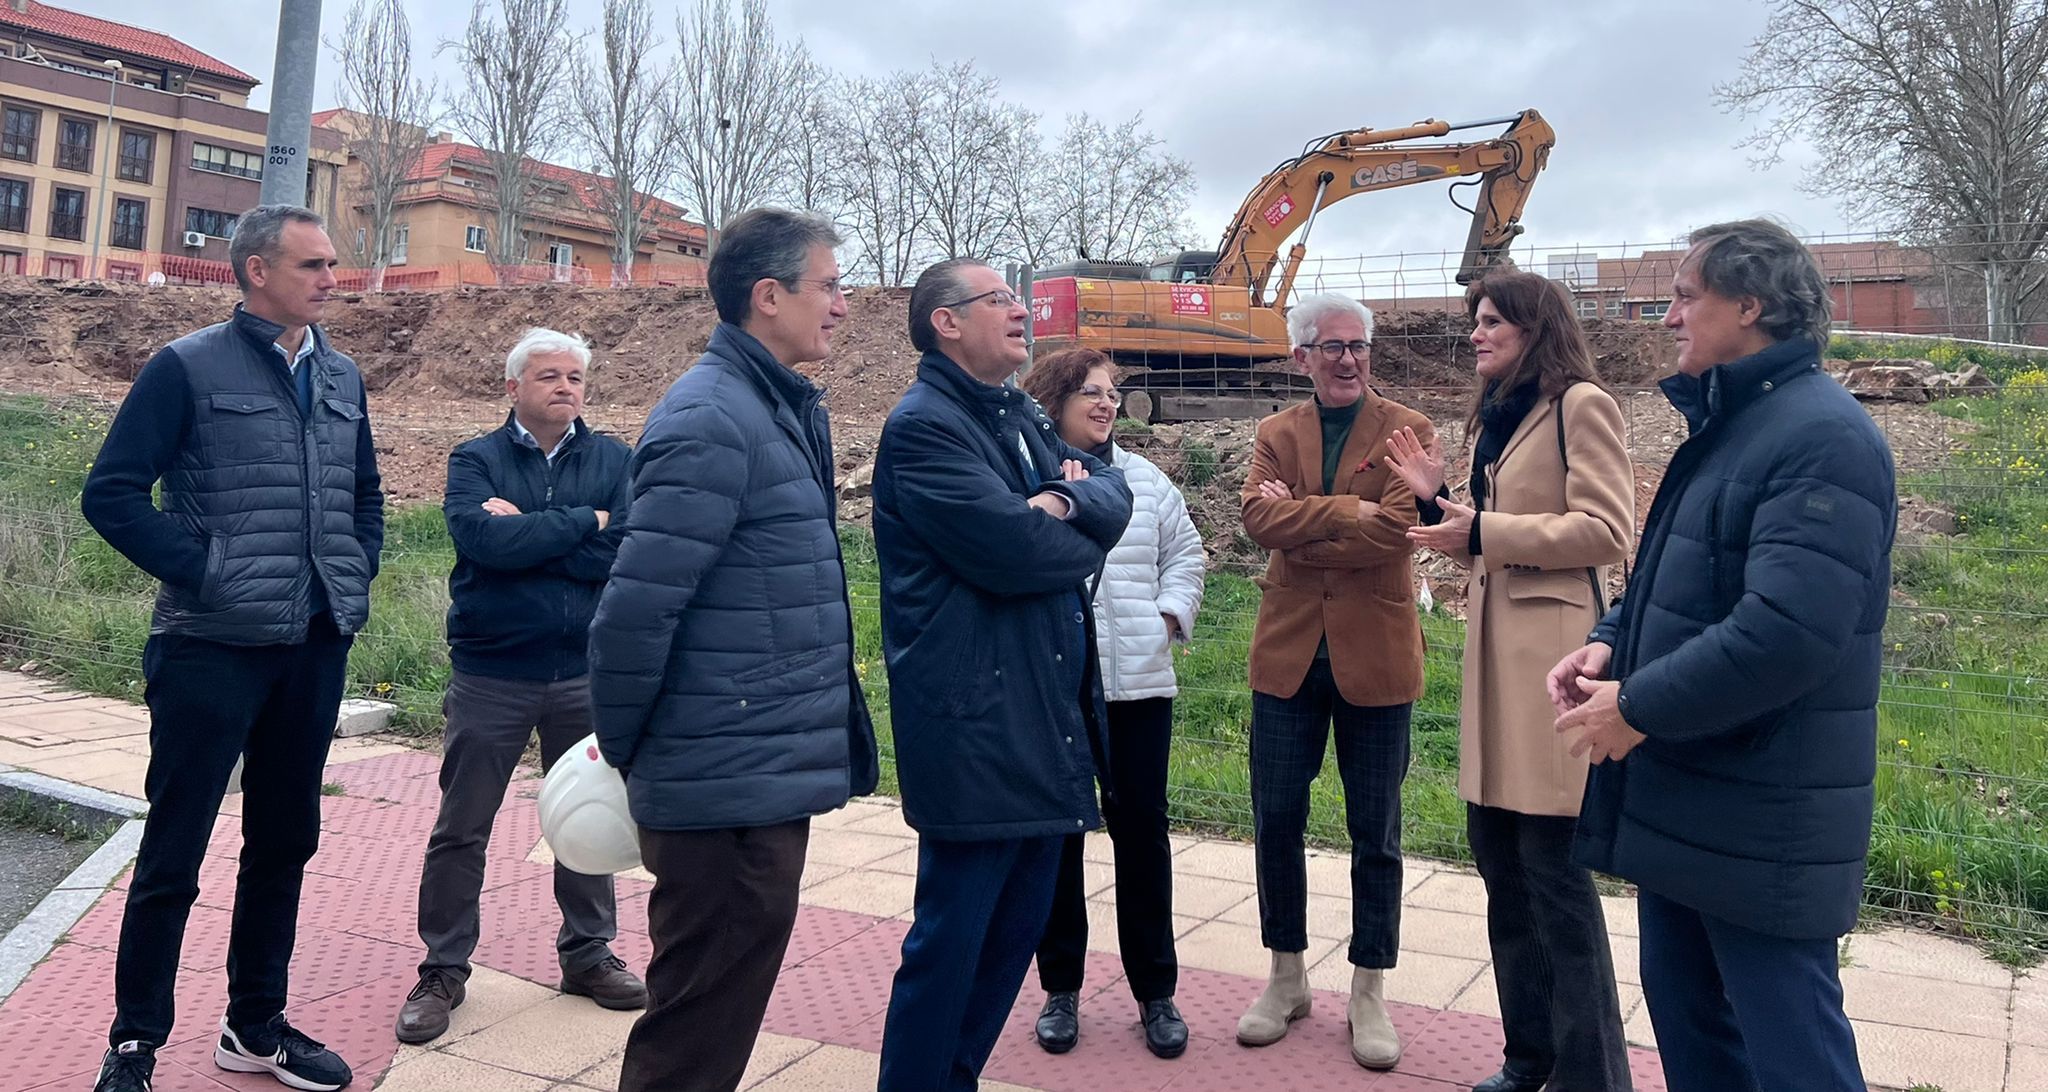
(1552, 507)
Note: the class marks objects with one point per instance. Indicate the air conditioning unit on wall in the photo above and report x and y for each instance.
(195, 239)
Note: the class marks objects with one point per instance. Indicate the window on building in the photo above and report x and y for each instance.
(1586, 308)
(1575, 270)
(18, 139)
(12, 261)
(123, 271)
(220, 225)
(219, 160)
(138, 156)
(67, 213)
(1654, 311)
(474, 238)
(560, 254)
(1614, 307)
(13, 204)
(362, 240)
(401, 241)
(74, 144)
(131, 224)
(64, 267)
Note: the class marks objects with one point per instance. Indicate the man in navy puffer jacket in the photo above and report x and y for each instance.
(1736, 749)
(721, 658)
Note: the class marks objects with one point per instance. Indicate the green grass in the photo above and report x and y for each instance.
(26, 811)
(1961, 834)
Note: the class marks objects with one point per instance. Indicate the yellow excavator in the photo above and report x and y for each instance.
(1199, 335)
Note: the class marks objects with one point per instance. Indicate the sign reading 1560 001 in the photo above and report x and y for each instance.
(281, 154)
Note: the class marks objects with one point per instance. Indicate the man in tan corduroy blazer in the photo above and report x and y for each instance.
(1338, 641)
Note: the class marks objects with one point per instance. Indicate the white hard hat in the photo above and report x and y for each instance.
(583, 814)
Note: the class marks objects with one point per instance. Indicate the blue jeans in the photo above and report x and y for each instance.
(980, 909)
(1742, 1011)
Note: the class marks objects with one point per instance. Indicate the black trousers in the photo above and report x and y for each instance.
(1140, 736)
(209, 704)
(489, 721)
(723, 905)
(1289, 736)
(1551, 960)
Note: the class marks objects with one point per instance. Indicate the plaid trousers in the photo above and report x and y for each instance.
(1289, 736)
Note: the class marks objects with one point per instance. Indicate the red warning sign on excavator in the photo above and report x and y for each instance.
(1190, 299)
(1279, 210)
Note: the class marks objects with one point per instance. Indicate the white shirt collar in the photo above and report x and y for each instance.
(527, 438)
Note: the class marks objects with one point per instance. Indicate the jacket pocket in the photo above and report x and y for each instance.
(245, 428)
(216, 561)
(798, 668)
(1573, 588)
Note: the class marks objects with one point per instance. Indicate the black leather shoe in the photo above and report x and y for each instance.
(1507, 1080)
(1059, 1022)
(1166, 1034)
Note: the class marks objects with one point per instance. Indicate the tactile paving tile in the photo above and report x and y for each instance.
(327, 962)
(405, 764)
(1314, 1057)
(369, 860)
(41, 1050)
(1105, 1002)
(819, 928)
(830, 996)
(1456, 1046)
(1647, 1066)
(522, 953)
(527, 904)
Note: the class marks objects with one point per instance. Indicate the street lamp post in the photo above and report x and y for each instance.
(106, 199)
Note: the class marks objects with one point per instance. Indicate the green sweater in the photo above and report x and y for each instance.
(1336, 429)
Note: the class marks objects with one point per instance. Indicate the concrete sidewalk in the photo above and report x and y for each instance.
(1928, 1011)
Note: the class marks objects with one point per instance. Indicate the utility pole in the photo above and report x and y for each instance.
(290, 132)
(109, 147)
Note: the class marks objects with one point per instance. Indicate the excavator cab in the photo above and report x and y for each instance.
(1187, 267)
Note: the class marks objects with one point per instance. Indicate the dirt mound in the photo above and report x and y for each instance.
(1432, 349)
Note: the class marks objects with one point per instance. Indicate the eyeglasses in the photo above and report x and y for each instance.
(1001, 297)
(1334, 351)
(1093, 393)
(833, 287)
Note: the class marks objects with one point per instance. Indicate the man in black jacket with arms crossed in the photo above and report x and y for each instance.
(536, 509)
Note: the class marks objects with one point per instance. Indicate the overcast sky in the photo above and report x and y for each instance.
(1643, 152)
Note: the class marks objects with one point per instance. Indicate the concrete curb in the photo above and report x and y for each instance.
(30, 942)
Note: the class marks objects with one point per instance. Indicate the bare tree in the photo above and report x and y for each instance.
(730, 110)
(617, 106)
(511, 105)
(807, 171)
(960, 156)
(1930, 116)
(1115, 194)
(393, 111)
(881, 202)
(1025, 189)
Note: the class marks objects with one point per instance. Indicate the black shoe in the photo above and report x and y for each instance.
(424, 1016)
(284, 1052)
(1507, 1080)
(127, 1068)
(1166, 1034)
(1059, 1022)
(609, 984)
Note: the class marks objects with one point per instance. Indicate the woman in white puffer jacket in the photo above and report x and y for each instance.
(1145, 603)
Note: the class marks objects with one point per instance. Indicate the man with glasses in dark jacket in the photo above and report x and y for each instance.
(536, 509)
(722, 654)
(266, 541)
(1729, 700)
(988, 527)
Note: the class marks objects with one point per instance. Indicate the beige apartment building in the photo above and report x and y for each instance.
(167, 126)
(445, 218)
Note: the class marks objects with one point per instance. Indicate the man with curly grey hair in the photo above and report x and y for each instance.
(1729, 700)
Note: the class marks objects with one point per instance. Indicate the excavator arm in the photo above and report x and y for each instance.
(1365, 160)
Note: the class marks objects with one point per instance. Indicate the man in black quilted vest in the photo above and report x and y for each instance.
(266, 539)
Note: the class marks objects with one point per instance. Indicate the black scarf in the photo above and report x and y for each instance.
(1101, 451)
(1499, 416)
